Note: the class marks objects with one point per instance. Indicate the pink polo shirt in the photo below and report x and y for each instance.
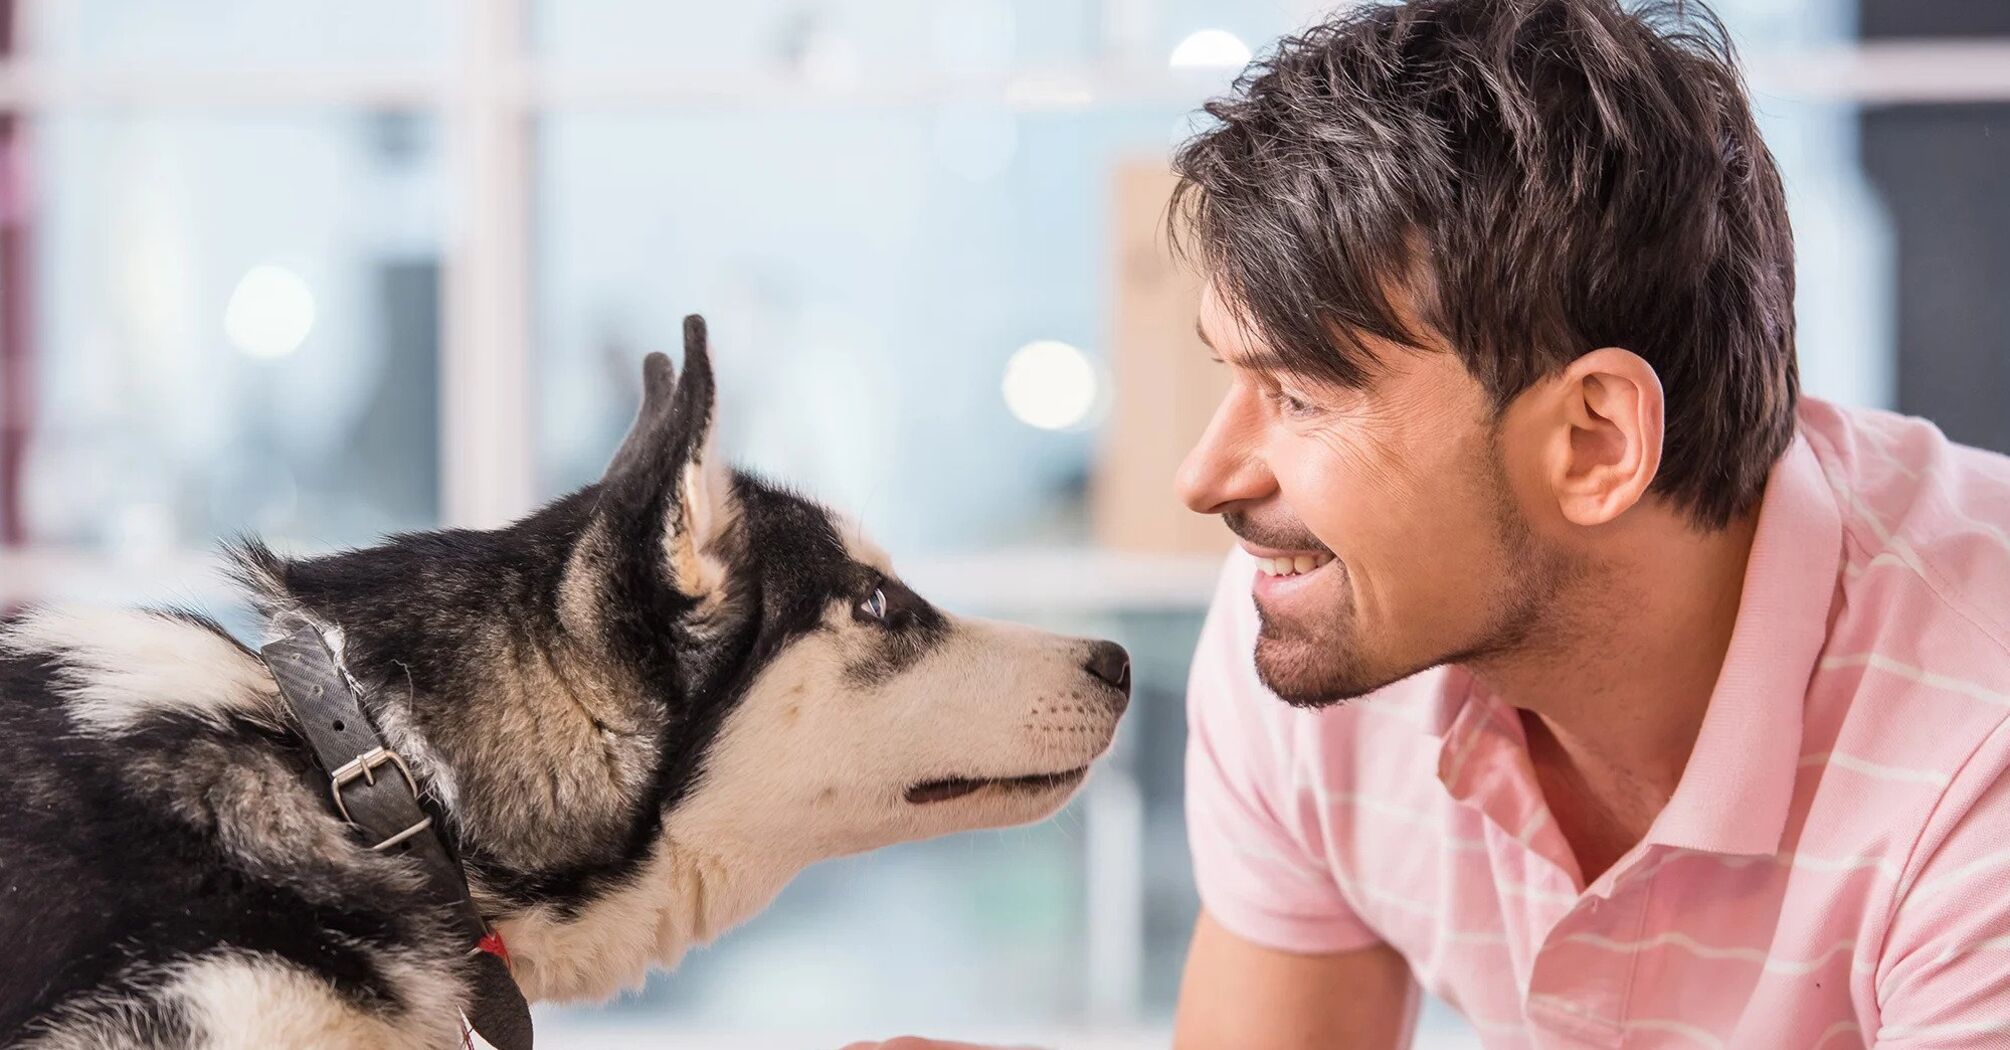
(1832, 871)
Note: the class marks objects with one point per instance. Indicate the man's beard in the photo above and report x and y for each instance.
(1319, 659)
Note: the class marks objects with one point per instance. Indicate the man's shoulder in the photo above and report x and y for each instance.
(1926, 527)
(1913, 685)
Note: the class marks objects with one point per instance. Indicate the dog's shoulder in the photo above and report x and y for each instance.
(163, 857)
(113, 670)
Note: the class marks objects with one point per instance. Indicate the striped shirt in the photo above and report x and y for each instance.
(1833, 869)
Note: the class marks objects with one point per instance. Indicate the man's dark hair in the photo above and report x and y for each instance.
(1536, 179)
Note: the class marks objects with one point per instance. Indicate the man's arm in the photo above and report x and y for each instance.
(1239, 995)
(1943, 975)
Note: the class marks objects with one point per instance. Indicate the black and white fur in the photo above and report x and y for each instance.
(639, 711)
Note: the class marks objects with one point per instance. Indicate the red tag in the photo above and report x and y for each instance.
(492, 943)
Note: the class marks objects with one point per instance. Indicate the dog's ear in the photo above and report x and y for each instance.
(666, 484)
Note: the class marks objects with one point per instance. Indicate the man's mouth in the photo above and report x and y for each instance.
(957, 787)
(1284, 575)
(1292, 564)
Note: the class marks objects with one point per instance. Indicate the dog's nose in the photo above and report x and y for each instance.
(1109, 662)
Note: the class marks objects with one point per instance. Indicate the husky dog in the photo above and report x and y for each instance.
(635, 715)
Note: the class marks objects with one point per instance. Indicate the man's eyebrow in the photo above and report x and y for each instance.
(1262, 361)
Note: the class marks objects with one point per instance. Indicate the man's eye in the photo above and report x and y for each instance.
(874, 608)
(1289, 404)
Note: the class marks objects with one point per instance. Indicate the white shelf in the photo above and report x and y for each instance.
(1872, 72)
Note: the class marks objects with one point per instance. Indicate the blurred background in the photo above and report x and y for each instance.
(322, 269)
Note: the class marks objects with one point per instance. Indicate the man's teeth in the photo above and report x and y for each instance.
(1294, 565)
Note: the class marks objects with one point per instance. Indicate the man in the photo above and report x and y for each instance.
(1575, 668)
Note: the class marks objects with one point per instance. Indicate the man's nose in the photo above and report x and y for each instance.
(1224, 469)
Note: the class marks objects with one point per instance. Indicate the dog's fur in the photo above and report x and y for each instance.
(639, 711)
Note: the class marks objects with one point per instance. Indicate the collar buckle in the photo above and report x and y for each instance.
(364, 768)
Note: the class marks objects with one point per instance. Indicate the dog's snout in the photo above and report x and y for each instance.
(1109, 662)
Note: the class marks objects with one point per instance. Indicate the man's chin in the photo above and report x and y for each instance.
(1299, 676)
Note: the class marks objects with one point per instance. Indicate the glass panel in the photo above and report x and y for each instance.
(1762, 24)
(235, 329)
(869, 275)
(1842, 252)
(208, 34)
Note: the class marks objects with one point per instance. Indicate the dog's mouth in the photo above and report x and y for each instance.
(956, 787)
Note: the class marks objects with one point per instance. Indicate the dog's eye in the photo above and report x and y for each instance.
(874, 608)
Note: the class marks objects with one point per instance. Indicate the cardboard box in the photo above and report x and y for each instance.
(1165, 387)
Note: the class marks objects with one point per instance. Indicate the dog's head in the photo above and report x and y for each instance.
(852, 713)
(682, 657)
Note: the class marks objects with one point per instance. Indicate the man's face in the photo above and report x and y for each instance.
(1399, 498)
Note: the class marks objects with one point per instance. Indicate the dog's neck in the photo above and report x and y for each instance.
(545, 771)
(696, 876)
(684, 896)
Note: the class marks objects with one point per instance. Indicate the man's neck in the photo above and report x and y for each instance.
(1614, 699)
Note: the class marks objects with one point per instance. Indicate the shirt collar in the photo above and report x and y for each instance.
(1738, 785)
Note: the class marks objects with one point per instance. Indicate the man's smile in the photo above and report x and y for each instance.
(1283, 574)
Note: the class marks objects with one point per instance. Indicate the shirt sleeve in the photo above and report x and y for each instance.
(1256, 877)
(1944, 976)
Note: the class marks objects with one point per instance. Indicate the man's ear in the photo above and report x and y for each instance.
(1604, 448)
(666, 488)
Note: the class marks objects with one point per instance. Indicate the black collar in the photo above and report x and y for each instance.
(372, 789)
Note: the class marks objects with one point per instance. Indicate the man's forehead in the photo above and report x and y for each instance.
(1237, 340)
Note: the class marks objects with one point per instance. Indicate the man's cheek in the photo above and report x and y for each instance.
(1319, 490)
